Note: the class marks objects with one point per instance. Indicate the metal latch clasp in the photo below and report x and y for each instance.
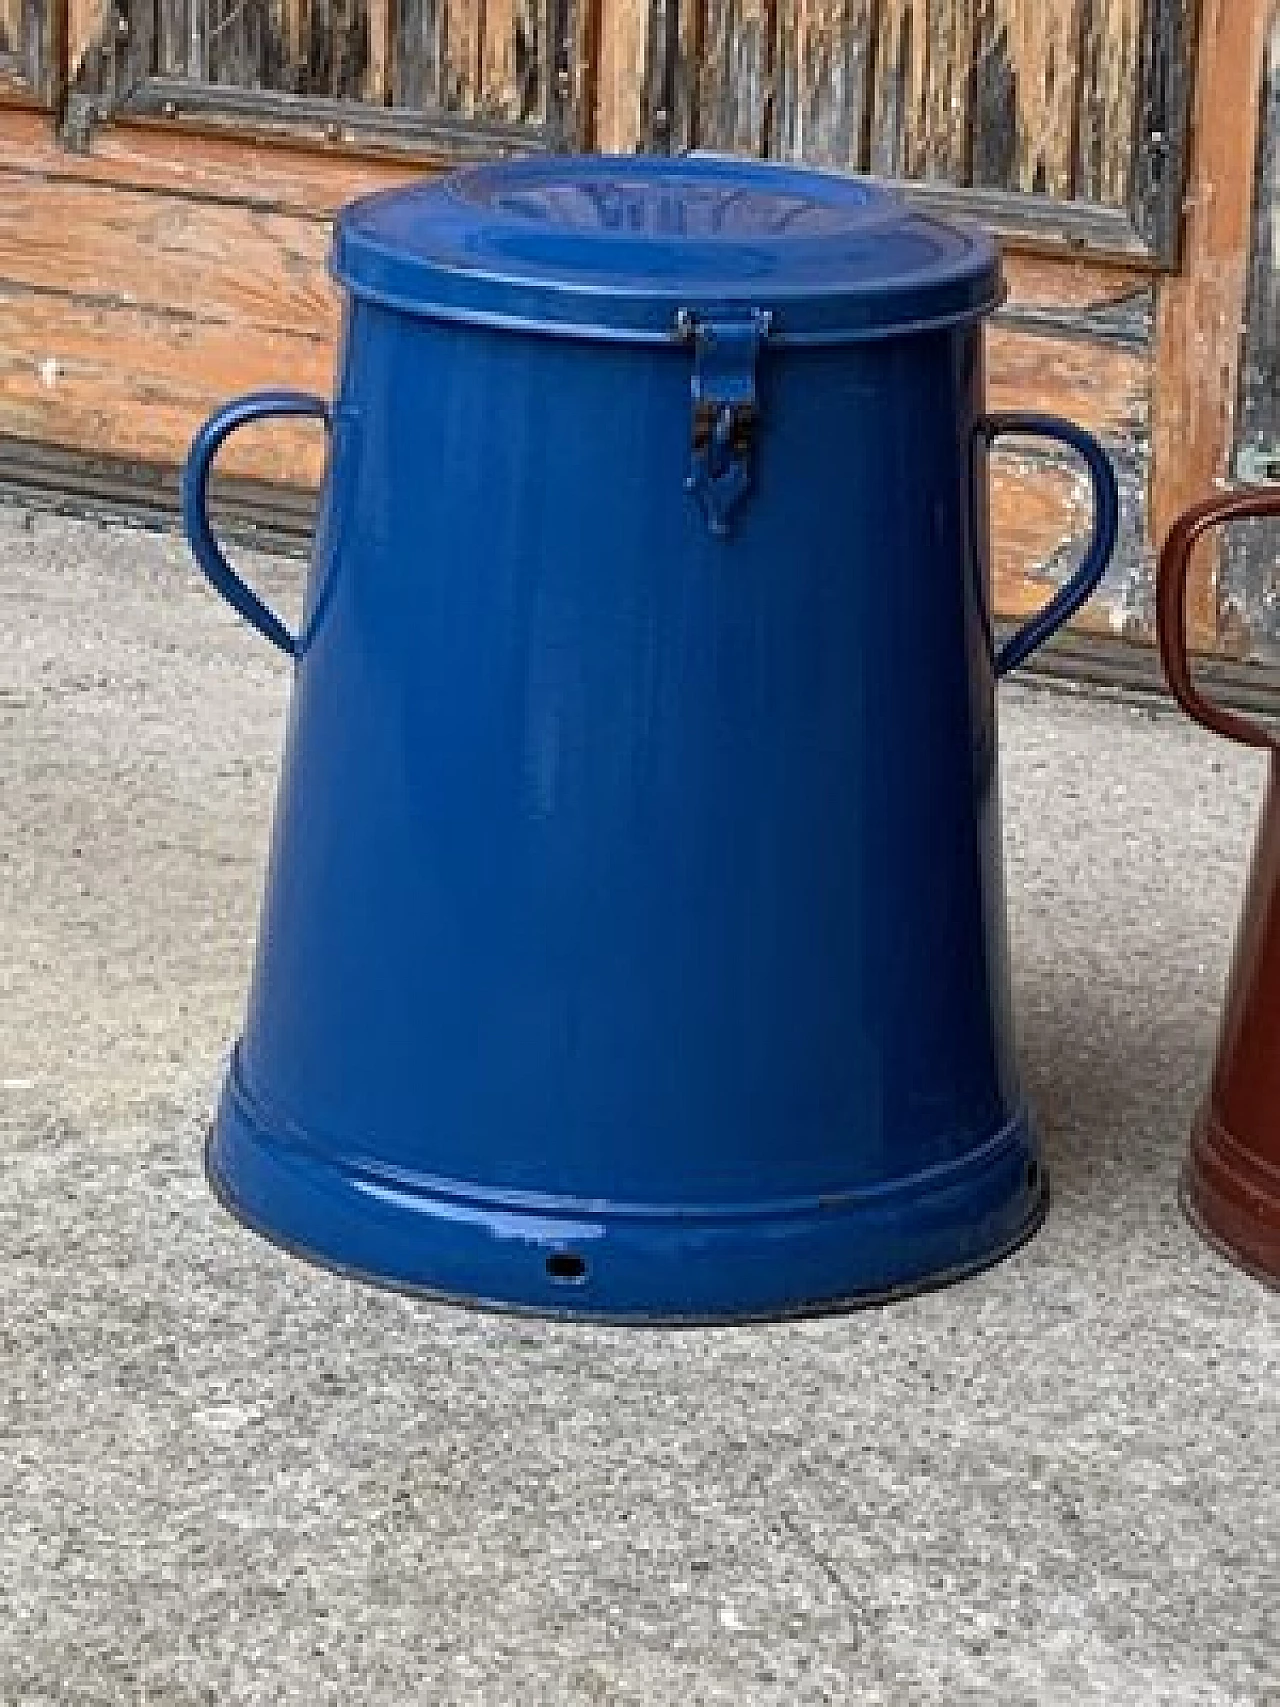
(725, 409)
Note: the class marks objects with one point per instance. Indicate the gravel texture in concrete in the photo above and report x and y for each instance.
(226, 1477)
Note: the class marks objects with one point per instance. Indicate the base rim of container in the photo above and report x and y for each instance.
(673, 1271)
(1227, 1200)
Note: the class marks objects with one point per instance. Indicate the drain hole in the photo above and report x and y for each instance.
(1033, 1175)
(564, 1265)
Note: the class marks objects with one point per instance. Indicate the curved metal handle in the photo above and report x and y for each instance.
(1171, 609)
(195, 492)
(1106, 518)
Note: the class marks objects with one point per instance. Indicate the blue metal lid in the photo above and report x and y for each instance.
(616, 246)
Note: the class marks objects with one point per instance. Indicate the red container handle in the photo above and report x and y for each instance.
(1171, 609)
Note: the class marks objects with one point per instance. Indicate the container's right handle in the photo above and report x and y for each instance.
(1171, 609)
(1106, 520)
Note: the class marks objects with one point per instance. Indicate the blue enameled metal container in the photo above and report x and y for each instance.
(633, 941)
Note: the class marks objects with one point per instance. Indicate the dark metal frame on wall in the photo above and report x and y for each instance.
(1148, 228)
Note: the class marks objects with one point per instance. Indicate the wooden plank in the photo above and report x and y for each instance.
(460, 70)
(824, 72)
(272, 177)
(381, 55)
(948, 96)
(1103, 387)
(1110, 77)
(513, 75)
(174, 26)
(587, 49)
(262, 272)
(898, 100)
(621, 78)
(1026, 86)
(85, 19)
(924, 90)
(418, 53)
(297, 43)
(1202, 311)
(734, 85)
(1072, 284)
(11, 31)
(138, 383)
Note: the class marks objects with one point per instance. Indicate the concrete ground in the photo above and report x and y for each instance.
(225, 1477)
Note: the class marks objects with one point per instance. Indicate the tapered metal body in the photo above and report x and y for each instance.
(634, 941)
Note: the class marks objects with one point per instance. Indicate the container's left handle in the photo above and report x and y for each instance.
(1106, 519)
(195, 495)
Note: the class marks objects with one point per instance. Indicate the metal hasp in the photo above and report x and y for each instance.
(725, 409)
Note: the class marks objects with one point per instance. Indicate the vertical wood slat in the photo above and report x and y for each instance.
(825, 65)
(1107, 116)
(624, 28)
(381, 55)
(458, 72)
(503, 24)
(84, 24)
(418, 53)
(733, 87)
(30, 33)
(950, 89)
(11, 32)
(924, 86)
(585, 48)
(1034, 52)
(899, 79)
